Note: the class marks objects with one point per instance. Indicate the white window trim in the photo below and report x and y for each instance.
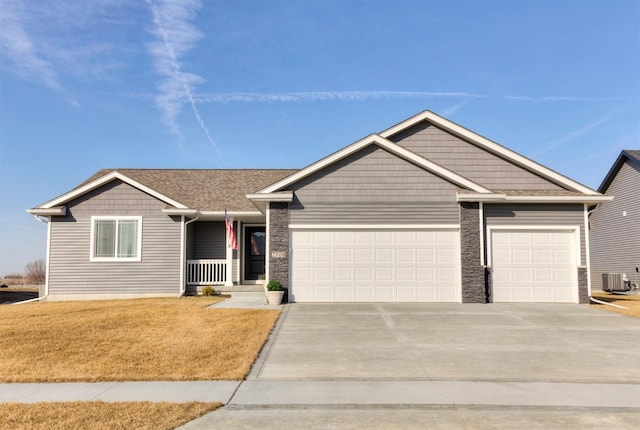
(93, 257)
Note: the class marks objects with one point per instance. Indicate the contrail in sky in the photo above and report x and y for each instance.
(177, 35)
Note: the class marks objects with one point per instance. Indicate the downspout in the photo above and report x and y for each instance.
(606, 303)
(183, 284)
(46, 277)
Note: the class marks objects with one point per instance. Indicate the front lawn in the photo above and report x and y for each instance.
(165, 339)
(101, 415)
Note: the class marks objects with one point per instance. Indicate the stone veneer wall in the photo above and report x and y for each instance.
(278, 232)
(583, 285)
(473, 274)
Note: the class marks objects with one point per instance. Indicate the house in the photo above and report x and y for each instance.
(424, 211)
(615, 226)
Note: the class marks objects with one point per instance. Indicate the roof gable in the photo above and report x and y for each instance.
(185, 188)
(387, 145)
(469, 160)
(373, 174)
(628, 155)
(490, 146)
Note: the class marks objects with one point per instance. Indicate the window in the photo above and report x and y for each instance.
(116, 238)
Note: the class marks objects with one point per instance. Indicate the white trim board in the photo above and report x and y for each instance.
(374, 226)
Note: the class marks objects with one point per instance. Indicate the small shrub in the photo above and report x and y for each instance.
(274, 285)
(209, 291)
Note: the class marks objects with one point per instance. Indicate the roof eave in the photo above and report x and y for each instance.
(503, 198)
(260, 200)
(53, 211)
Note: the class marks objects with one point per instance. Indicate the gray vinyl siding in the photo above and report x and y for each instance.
(570, 215)
(615, 239)
(374, 175)
(158, 272)
(389, 213)
(469, 160)
(210, 239)
(206, 240)
(374, 186)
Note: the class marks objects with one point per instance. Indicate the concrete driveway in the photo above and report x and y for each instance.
(441, 366)
(464, 342)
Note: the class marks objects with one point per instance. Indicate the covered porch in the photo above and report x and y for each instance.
(210, 259)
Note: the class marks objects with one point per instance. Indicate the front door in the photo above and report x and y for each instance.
(255, 239)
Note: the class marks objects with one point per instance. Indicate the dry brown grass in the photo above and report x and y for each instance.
(630, 302)
(100, 415)
(130, 340)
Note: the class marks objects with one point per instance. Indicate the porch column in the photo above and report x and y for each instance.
(229, 266)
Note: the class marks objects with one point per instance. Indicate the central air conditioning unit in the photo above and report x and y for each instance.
(615, 282)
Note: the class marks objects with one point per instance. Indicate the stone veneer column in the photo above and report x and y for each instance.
(278, 232)
(473, 274)
(583, 285)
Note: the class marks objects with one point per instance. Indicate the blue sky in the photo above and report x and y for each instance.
(86, 85)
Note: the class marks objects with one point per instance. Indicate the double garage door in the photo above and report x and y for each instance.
(534, 265)
(362, 265)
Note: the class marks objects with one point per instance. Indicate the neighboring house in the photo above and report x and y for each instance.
(424, 211)
(615, 225)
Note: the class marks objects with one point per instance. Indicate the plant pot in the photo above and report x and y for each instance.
(274, 297)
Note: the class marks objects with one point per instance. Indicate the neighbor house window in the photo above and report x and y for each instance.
(116, 238)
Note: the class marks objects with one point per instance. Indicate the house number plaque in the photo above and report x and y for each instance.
(278, 254)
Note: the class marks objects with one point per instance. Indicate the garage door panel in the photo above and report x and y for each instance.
(542, 256)
(343, 274)
(520, 256)
(446, 274)
(534, 266)
(364, 274)
(363, 238)
(425, 256)
(364, 294)
(376, 265)
(405, 255)
(384, 256)
(364, 255)
(345, 256)
(322, 256)
(426, 274)
(384, 274)
(405, 274)
(425, 238)
(543, 274)
(383, 238)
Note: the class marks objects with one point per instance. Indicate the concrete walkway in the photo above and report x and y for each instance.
(190, 391)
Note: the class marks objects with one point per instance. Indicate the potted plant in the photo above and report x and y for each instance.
(274, 292)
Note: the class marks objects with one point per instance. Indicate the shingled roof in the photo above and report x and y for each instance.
(203, 189)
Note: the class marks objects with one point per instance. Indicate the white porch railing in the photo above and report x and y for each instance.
(206, 272)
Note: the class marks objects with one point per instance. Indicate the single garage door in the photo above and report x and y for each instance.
(375, 265)
(534, 266)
